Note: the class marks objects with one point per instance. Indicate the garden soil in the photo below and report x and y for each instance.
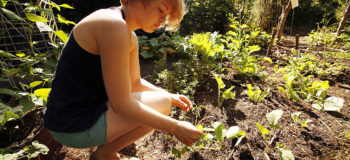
(323, 139)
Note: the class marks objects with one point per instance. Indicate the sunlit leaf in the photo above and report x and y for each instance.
(35, 18)
(35, 149)
(35, 83)
(286, 154)
(66, 6)
(331, 104)
(42, 93)
(228, 94)
(274, 116)
(262, 129)
(232, 132)
(43, 27)
(219, 81)
(63, 36)
(61, 19)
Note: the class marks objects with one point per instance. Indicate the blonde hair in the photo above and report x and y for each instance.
(176, 15)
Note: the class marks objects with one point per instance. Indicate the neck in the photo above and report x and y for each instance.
(132, 25)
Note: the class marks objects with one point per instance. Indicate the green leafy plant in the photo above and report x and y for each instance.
(255, 94)
(296, 118)
(220, 134)
(267, 135)
(227, 94)
(297, 85)
(240, 46)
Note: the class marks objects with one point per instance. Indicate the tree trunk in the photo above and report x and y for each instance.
(343, 20)
(283, 19)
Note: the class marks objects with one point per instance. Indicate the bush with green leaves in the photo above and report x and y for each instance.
(240, 43)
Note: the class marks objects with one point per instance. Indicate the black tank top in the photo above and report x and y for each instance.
(78, 96)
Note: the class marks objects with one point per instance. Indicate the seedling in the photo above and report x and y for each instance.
(228, 94)
(296, 118)
(273, 118)
(255, 94)
(220, 134)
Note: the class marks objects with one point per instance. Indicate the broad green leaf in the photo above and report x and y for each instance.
(63, 36)
(35, 149)
(43, 27)
(35, 83)
(286, 154)
(42, 93)
(331, 104)
(262, 129)
(274, 116)
(11, 15)
(6, 54)
(232, 132)
(219, 130)
(35, 18)
(66, 6)
(27, 104)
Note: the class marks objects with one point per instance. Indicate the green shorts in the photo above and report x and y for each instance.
(93, 136)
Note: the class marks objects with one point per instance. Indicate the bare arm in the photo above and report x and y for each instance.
(115, 61)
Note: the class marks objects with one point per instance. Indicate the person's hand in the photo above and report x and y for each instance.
(181, 101)
(186, 133)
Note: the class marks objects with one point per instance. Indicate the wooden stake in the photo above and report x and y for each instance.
(271, 41)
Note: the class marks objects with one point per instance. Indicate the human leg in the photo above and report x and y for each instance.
(122, 131)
